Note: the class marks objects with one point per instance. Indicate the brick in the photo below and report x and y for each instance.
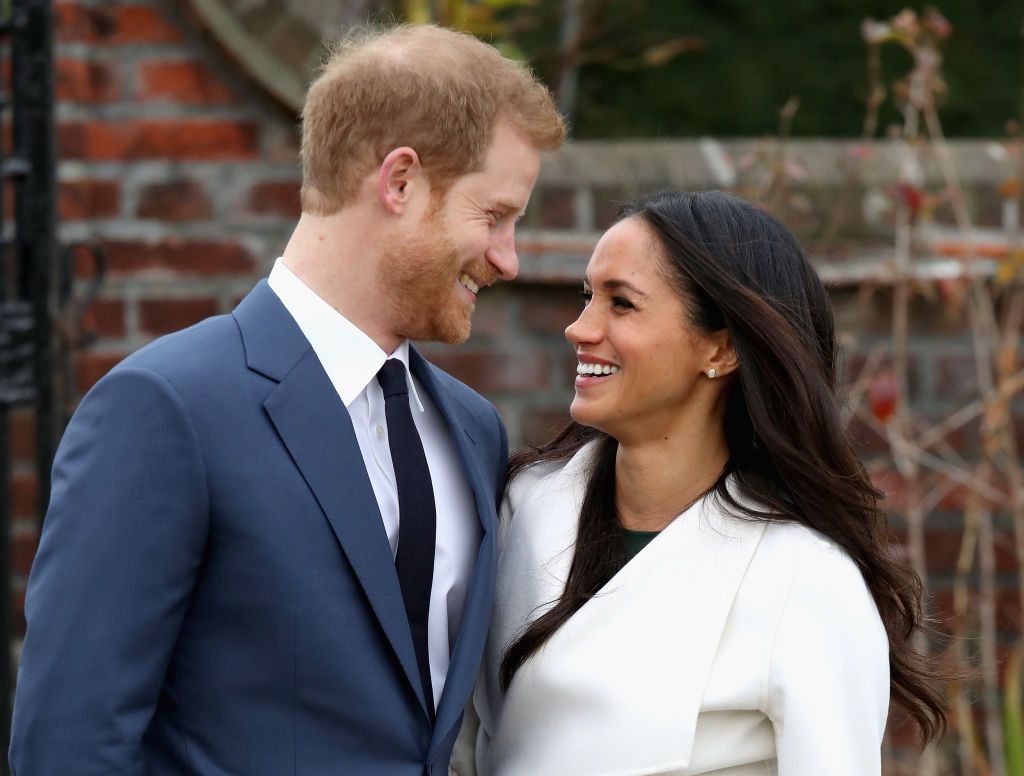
(871, 313)
(565, 376)
(956, 378)
(540, 425)
(143, 24)
(187, 257)
(607, 203)
(24, 496)
(551, 313)
(80, 200)
(491, 318)
(22, 430)
(496, 371)
(963, 439)
(90, 367)
(942, 549)
(162, 316)
(853, 363)
(277, 198)
(281, 145)
(105, 318)
(1007, 609)
(558, 207)
(23, 552)
(113, 24)
(891, 483)
(179, 200)
(74, 23)
(80, 80)
(902, 732)
(187, 83)
(182, 139)
(865, 439)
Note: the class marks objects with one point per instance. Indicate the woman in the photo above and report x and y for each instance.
(694, 575)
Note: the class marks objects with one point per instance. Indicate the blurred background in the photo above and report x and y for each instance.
(150, 178)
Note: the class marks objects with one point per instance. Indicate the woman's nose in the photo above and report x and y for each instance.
(584, 330)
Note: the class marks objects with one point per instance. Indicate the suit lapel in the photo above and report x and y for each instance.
(457, 418)
(316, 429)
(469, 643)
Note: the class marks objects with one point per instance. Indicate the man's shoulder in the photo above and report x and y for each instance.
(205, 347)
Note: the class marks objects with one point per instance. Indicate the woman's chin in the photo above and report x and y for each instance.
(584, 413)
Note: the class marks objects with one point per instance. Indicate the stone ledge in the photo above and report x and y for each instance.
(714, 163)
(561, 259)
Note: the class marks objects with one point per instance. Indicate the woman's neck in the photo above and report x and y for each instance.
(658, 479)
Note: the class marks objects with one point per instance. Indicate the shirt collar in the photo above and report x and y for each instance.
(350, 358)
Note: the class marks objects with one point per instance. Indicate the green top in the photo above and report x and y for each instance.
(636, 541)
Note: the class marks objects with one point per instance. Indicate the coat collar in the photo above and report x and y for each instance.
(656, 624)
(316, 429)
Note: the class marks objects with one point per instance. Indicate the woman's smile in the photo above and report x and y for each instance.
(592, 371)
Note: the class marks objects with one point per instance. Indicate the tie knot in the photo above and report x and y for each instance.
(392, 378)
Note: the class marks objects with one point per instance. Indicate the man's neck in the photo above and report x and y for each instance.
(329, 254)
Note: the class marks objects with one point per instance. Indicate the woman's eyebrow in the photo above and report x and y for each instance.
(615, 284)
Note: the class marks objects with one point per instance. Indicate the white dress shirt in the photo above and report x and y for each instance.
(352, 360)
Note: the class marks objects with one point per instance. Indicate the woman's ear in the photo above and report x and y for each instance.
(398, 170)
(722, 357)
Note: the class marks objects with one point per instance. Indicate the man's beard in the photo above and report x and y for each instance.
(419, 275)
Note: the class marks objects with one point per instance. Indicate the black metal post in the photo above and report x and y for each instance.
(35, 208)
(6, 667)
(26, 290)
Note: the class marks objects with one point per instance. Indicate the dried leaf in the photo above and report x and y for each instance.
(937, 24)
(882, 396)
(1010, 188)
(1010, 268)
(875, 32)
(911, 196)
(662, 53)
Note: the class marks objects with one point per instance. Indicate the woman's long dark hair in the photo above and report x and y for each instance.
(738, 268)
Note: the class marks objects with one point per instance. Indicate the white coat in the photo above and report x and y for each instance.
(726, 646)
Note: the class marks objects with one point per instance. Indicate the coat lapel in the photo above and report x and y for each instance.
(469, 643)
(316, 429)
(632, 664)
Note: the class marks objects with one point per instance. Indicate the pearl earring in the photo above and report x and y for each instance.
(712, 373)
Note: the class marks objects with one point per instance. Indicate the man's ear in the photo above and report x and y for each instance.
(399, 169)
(722, 357)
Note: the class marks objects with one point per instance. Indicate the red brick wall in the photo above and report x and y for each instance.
(183, 172)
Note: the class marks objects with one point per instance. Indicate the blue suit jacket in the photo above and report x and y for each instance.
(214, 592)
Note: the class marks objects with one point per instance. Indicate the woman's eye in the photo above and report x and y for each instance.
(622, 303)
(586, 296)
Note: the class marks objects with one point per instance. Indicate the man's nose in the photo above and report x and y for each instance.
(502, 255)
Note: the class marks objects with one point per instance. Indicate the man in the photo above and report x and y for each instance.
(271, 544)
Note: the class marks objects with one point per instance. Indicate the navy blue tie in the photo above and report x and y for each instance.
(417, 518)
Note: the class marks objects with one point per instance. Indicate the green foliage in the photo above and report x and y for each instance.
(756, 55)
(483, 18)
